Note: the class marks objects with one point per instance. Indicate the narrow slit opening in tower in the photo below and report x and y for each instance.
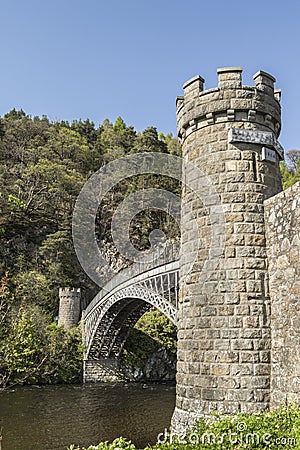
(254, 164)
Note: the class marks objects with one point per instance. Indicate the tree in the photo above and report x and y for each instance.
(293, 157)
(86, 130)
(290, 171)
(119, 125)
(148, 141)
(172, 143)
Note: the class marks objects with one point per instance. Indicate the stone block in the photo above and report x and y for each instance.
(221, 344)
(241, 369)
(213, 394)
(251, 322)
(244, 395)
(220, 369)
(262, 369)
(250, 357)
(242, 344)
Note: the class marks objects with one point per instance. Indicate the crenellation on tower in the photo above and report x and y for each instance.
(193, 87)
(230, 77)
(264, 81)
(277, 94)
(179, 102)
(69, 292)
(230, 101)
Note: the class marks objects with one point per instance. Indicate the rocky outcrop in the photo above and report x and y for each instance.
(160, 366)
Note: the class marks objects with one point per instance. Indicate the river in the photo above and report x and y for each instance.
(53, 417)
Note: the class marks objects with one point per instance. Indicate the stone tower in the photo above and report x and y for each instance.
(230, 133)
(69, 307)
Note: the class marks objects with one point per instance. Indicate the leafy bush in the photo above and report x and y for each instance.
(152, 331)
(138, 347)
(120, 443)
(160, 328)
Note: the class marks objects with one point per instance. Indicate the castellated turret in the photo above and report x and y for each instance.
(69, 307)
(230, 133)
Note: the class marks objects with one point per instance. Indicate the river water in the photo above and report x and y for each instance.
(53, 417)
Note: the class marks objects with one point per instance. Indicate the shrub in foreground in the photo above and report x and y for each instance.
(120, 443)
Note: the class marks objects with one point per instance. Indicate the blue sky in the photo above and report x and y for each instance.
(97, 59)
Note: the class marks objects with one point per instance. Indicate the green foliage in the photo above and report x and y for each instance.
(34, 288)
(290, 174)
(152, 331)
(119, 443)
(172, 143)
(65, 350)
(279, 429)
(264, 430)
(6, 303)
(119, 125)
(16, 202)
(138, 347)
(159, 327)
(32, 349)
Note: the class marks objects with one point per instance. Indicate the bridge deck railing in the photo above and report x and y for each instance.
(168, 254)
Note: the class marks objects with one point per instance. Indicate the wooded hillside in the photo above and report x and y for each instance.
(43, 166)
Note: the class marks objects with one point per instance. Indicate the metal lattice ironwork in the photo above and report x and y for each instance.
(115, 310)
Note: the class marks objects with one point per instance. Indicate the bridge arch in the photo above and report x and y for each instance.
(113, 312)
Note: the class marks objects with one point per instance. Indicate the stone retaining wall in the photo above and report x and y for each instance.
(282, 219)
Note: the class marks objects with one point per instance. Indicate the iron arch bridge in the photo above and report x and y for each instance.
(119, 305)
